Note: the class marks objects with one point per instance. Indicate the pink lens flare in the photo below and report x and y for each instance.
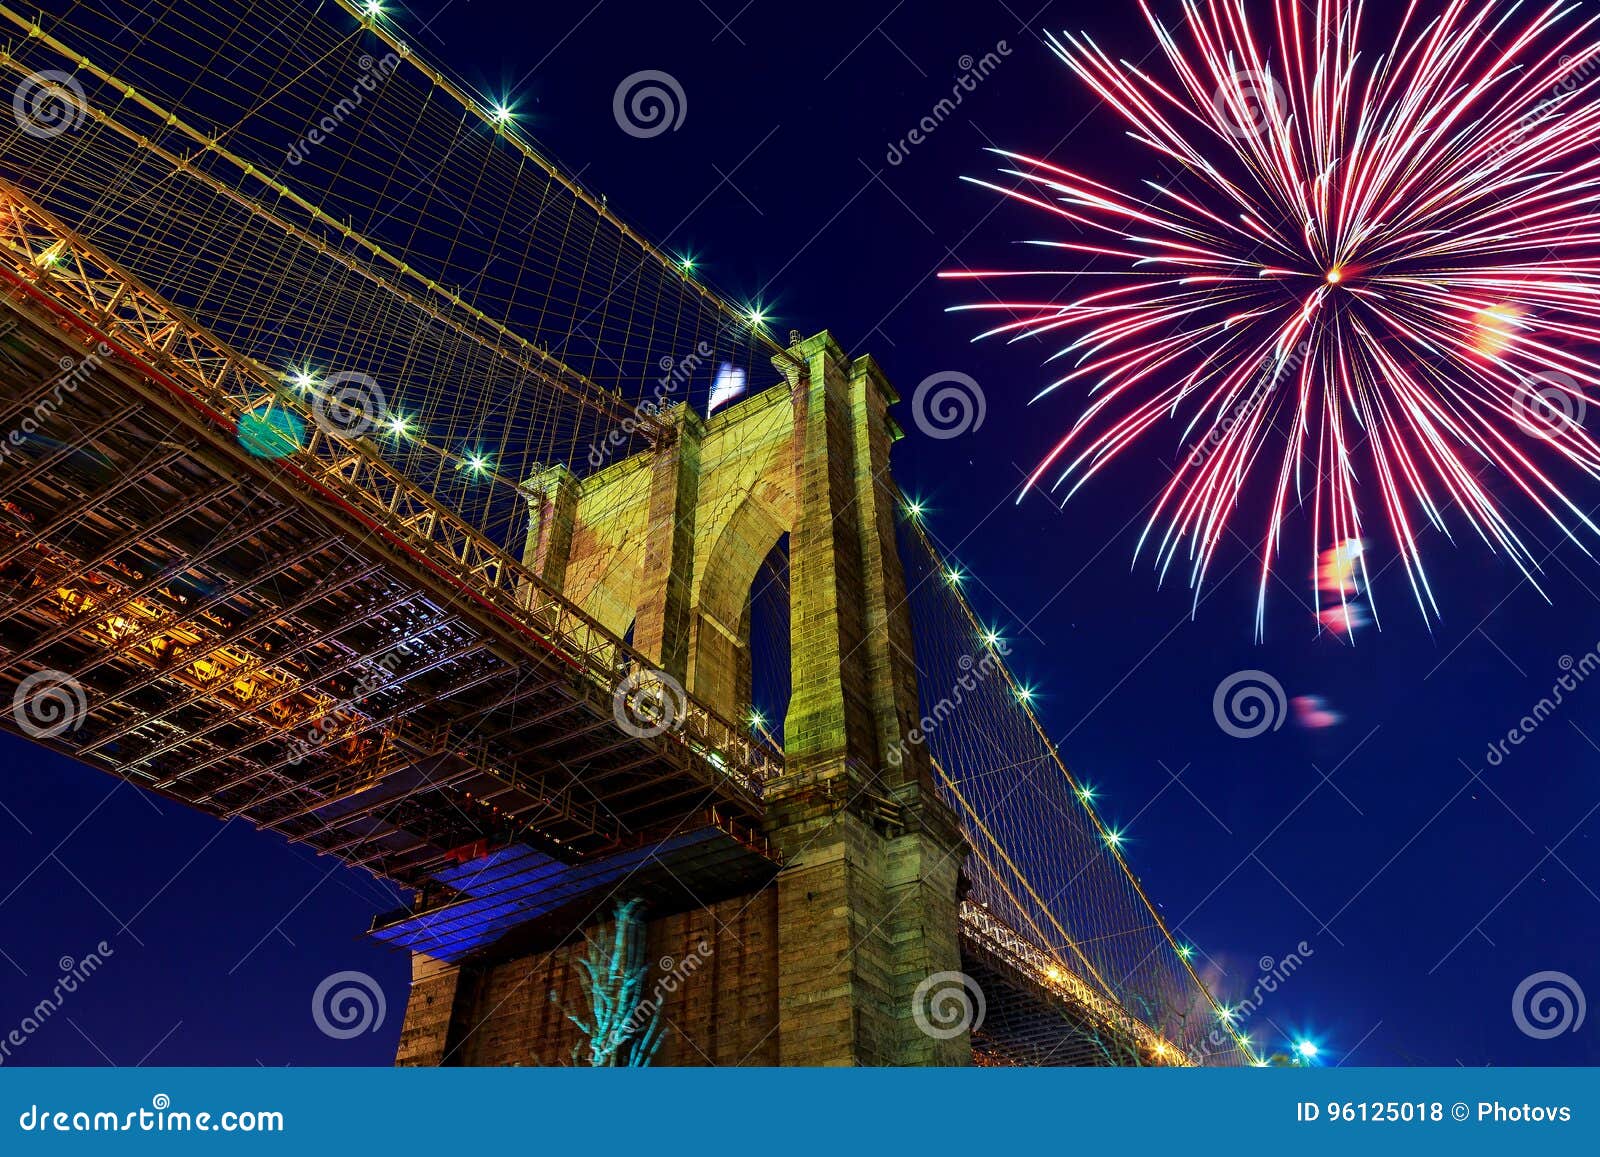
(1312, 713)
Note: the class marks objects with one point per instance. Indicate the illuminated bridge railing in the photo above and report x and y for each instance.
(43, 261)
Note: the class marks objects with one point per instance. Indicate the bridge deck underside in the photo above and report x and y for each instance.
(1026, 1023)
(245, 650)
(1037, 1012)
(517, 892)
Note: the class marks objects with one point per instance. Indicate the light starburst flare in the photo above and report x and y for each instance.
(1363, 277)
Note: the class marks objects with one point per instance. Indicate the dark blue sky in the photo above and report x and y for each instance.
(1424, 894)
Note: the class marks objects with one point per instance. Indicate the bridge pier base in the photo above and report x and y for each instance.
(439, 993)
(866, 912)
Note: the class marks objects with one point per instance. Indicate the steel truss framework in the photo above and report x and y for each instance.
(307, 641)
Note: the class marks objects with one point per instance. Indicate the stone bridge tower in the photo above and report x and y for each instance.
(819, 966)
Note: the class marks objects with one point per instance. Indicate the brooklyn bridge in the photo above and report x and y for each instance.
(365, 477)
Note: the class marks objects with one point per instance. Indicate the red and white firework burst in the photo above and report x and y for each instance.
(1363, 275)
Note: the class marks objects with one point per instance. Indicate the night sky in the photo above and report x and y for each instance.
(1425, 883)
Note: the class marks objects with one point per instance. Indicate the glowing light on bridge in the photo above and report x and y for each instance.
(1306, 1050)
(501, 114)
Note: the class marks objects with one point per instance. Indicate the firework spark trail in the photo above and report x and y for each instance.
(1386, 271)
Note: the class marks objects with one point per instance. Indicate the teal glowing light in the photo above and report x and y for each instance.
(272, 433)
(914, 508)
(1306, 1050)
(758, 316)
(687, 263)
(991, 638)
(501, 114)
(1114, 838)
(757, 719)
(1186, 950)
(477, 463)
(374, 8)
(301, 380)
(953, 576)
(1025, 694)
